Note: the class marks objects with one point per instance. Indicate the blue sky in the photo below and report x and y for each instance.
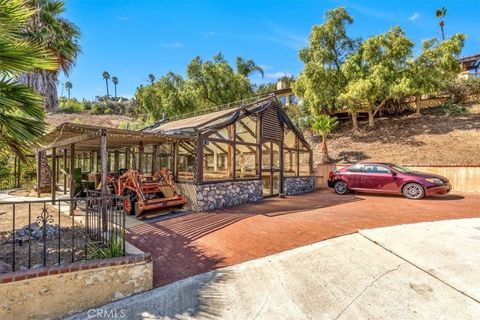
(131, 39)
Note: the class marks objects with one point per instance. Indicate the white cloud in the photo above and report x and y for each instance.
(414, 16)
(276, 75)
(172, 45)
(209, 34)
(265, 67)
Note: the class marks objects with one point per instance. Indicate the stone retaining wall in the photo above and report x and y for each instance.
(298, 185)
(227, 194)
(58, 291)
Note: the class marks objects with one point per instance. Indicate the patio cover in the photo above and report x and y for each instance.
(87, 138)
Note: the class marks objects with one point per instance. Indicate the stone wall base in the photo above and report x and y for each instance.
(298, 185)
(227, 194)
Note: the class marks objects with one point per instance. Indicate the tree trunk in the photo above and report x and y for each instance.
(418, 107)
(354, 121)
(371, 117)
(106, 83)
(45, 173)
(44, 83)
(325, 156)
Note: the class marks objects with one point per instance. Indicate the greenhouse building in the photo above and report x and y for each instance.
(236, 155)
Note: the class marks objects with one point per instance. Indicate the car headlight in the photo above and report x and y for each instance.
(434, 181)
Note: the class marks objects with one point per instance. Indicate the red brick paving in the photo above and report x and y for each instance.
(199, 242)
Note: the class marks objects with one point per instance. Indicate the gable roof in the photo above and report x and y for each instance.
(216, 120)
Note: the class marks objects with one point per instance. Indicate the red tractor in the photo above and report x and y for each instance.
(145, 192)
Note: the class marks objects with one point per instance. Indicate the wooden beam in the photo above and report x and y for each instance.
(103, 159)
(116, 160)
(73, 140)
(64, 171)
(72, 176)
(39, 173)
(53, 184)
(155, 164)
(127, 157)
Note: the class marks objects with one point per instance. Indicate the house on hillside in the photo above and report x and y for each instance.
(240, 154)
(470, 66)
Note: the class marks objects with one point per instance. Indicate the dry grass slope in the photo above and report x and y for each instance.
(432, 139)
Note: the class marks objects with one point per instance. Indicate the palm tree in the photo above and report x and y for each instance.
(48, 27)
(247, 67)
(21, 112)
(115, 82)
(441, 13)
(151, 78)
(106, 76)
(68, 86)
(324, 125)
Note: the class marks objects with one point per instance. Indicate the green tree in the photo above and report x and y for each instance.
(115, 83)
(247, 67)
(60, 36)
(214, 82)
(68, 86)
(324, 125)
(375, 70)
(168, 95)
(440, 14)
(432, 70)
(106, 77)
(151, 78)
(322, 79)
(21, 112)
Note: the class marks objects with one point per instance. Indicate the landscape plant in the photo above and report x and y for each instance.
(21, 109)
(47, 26)
(324, 125)
(322, 78)
(375, 71)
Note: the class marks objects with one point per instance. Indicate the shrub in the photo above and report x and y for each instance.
(452, 109)
(461, 90)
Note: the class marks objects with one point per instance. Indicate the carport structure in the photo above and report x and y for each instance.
(96, 151)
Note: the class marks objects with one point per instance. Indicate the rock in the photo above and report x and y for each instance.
(5, 267)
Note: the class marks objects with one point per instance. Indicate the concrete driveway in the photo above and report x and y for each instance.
(418, 271)
(196, 243)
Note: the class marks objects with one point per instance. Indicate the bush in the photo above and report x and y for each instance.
(452, 109)
(461, 90)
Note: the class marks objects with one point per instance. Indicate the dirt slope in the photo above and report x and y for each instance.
(55, 119)
(431, 139)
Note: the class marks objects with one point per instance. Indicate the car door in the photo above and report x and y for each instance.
(352, 176)
(377, 178)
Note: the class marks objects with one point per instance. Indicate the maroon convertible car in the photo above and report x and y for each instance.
(387, 178)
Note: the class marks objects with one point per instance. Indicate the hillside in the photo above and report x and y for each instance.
(432, 139)
(55, 119)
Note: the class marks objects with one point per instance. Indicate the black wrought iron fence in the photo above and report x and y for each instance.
(42, 233)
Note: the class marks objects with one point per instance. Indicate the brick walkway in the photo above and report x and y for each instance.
(196, 243)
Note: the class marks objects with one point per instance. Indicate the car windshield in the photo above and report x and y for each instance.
(399, 169)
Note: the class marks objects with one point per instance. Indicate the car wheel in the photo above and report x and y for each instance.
(340, 187)
(413, 191)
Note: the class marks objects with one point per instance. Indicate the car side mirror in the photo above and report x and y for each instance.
(394, 174)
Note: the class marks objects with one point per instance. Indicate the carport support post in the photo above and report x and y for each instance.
(64, 171)
(39, 173)
(103, 168)
(127, 158)
(53, 184)
(155, 159)
(72, 176)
